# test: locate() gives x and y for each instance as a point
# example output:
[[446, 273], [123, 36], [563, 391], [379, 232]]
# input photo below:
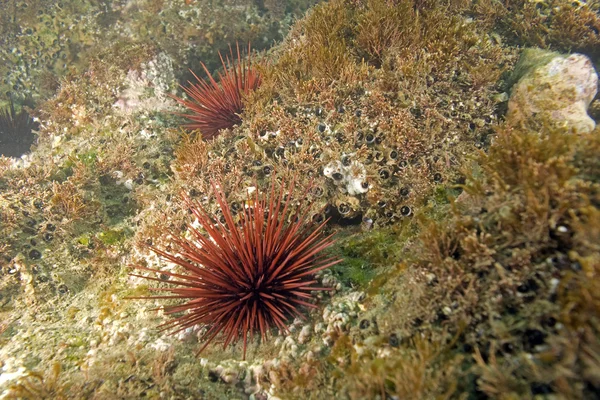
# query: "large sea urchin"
[[245, 276], [214, 106]]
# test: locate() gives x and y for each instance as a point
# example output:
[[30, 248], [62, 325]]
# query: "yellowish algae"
[[470, 243]]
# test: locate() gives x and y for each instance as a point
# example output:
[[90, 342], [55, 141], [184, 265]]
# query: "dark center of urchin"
[[259, 288], [16, 131]]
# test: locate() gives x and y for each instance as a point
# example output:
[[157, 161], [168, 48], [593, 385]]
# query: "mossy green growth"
[[355, 272], [62, 173], [530, 59], [373, 247], [560, 25], [84, 239], [367, 255], [113, 237], [443, 195], [89, 158]]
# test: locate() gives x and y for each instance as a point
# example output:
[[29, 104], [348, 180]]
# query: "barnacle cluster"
[[504, 286], [196, 30], [371, 145], [41, 41], [24, 245]]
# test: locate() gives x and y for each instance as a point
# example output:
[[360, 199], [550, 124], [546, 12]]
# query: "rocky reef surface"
[[459, 173]]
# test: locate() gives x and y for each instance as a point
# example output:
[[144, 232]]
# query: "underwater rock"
[[555, 89]]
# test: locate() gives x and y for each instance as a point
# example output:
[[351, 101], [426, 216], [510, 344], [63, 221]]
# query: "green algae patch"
[[370, 255], [500, 280], [113, 237], [355, 272]]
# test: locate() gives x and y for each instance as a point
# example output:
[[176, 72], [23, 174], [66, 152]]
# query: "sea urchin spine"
[[214, 106], [247, 276]]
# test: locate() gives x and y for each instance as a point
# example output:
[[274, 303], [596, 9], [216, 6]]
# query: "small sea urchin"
[[16, 131], [245, 276], [213, 105]]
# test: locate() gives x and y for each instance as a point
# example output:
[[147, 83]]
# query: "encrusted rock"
[[229, 376], [554, 88]]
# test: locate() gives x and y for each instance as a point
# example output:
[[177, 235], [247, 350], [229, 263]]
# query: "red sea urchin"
[[214, 106], [247, 276]]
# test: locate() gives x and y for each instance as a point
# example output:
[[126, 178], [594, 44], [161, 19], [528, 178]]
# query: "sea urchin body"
[[213, 105], [16, 131], [246, 276]]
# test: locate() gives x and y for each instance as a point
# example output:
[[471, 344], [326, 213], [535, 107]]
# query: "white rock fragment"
[[6, 376], [148, 89], [128, 184], [160, 345], [351, 178], [304, 335]]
